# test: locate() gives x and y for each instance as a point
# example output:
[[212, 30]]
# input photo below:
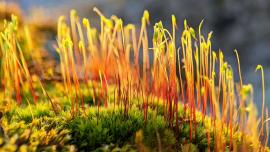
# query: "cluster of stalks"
[[14, 70], [118, 55], [202, 80]]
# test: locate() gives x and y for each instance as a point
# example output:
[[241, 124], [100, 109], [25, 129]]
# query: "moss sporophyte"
[[109, 80]]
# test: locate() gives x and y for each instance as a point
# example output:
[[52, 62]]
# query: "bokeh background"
[[242, 25]]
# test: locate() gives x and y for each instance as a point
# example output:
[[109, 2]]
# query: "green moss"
[[41, 134], [112, 126], [28, 113], [104, 127]]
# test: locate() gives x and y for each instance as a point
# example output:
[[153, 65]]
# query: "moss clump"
[[104, 127], [41, 134], [112, 127], [29, 112]]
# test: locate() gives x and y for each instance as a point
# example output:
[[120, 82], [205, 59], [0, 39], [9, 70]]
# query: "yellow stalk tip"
[[95, 9], [209, 36], [192, 32], [200, 25], [61, 19], [85, 22], [146, 17], [259, 67], [185, 24], [129, 27], [245, 90], [173, 20], [73, 12]]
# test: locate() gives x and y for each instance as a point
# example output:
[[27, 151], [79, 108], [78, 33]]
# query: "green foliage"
[[30, 112], [39, 135], [104, 127], [157, 133], [168, 139], [199, 136]]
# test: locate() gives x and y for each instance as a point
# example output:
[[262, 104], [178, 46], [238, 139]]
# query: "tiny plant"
[[14, 70], [190, 89]]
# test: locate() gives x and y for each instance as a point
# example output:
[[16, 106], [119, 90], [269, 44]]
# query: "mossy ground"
[[130, 106], [39, 128]]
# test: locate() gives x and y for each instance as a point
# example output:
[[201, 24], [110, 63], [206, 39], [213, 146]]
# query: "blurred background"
[[242, 25]]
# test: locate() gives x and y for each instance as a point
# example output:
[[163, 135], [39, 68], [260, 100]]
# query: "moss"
[[104, 127], [107, 126], [41, 134], [50, 123], [28, 113]]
